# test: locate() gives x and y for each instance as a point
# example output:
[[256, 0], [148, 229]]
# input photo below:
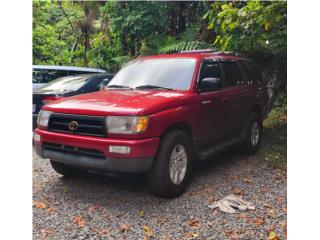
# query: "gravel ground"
[[119, 206]]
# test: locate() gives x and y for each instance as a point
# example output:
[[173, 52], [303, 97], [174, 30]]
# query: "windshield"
[[66, 84], [167, 73]]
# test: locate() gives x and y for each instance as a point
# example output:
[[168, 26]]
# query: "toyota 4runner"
[[158, 115]]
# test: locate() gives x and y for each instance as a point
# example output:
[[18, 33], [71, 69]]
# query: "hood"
[[120, 102]]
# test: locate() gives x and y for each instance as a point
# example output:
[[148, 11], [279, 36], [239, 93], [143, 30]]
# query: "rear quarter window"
[[252, 71]]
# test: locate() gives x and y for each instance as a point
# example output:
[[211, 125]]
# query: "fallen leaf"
[[65, 189], [194, 223], [247, 180], [267, 205], [39, 205], [194, 193], [283, 224], [51, 210], [272, 213], [211, 199], [273, 236], [46, 198], [265, 189], [258, 221], [120, 214], [278, 177], [163, 221], [207, 190], [147, 230], [45, 233], [238, 191], [141, 213], [101, 231], [124, 227], [242, 216], [79, 221], [93, 208], [235, 177], [191, 235], [255, 197], [228, 232], [280, 200], [165, 238]]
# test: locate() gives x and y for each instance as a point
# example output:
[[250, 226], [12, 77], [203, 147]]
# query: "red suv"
[[158, 115]]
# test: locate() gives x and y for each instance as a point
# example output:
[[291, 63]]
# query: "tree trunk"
[[86, 48]]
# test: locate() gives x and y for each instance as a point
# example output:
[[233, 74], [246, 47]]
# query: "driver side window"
[[210, 72]]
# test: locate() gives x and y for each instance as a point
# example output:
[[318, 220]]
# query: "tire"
[[66, 170], [159, 179], [254, 127]]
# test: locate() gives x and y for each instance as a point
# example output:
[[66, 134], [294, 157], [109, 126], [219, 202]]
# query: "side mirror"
[[210, 84]]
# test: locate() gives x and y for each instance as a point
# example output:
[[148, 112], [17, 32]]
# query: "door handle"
[[206, 102], [225, 99]]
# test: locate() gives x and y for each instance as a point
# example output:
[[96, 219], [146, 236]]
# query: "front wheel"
[[172, 168]]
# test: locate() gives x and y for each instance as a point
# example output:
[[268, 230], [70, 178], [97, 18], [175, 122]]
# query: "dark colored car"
[[66, 87], [159, 115]]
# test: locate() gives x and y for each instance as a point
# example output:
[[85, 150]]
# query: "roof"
[[68, 68]]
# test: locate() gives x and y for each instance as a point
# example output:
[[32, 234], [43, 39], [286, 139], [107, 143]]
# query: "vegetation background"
[[106, 34]]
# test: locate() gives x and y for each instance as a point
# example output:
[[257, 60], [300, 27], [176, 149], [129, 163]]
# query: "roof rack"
[[208, 50], [212, 51]]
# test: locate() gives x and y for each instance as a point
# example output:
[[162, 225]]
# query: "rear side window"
[[231, 74], [251, 70]]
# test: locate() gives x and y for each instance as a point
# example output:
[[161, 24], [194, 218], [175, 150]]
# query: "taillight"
[[46, 100]]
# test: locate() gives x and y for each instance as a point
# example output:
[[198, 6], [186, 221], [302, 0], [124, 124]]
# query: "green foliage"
[[257, 28], [53, 37], [277, 117], [108, 34], [164, 43], [252, 26]]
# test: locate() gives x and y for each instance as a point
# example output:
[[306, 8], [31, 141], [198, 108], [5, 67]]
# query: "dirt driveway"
[[120, 207]]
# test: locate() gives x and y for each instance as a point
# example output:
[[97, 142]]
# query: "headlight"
[[43, 118], [127, 124]]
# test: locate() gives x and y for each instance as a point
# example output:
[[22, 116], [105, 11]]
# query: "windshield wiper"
[[152, 86], [118, 86]]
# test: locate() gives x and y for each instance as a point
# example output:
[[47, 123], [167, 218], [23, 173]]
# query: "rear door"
[[256, 86], [235, 97]]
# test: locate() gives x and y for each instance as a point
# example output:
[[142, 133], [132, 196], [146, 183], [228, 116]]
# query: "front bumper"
[[139, 159]]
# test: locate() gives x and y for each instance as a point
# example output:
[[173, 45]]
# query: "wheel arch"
[[256, 109], [182, 125]]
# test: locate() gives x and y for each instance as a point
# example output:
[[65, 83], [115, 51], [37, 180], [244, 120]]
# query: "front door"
[[211, 111]]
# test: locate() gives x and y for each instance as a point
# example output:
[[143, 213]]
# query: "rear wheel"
[[253, 133], [171, 170], [66, 170]]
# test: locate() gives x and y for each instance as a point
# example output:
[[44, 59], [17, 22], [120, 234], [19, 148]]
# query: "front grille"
[[86, 125], [73, 150]]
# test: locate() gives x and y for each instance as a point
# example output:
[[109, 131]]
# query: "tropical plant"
[[256, 28], [108, 34]]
